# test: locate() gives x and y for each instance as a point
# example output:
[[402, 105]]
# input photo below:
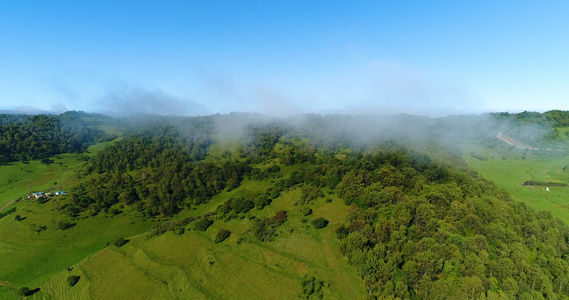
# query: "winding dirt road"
[[512, 142], [5, 205]]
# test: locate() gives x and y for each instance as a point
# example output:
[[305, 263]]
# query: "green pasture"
[[510, 174], [187, 266], [192, 266], [20, 178], [29, 258]]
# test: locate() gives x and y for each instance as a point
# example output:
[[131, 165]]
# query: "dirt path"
[[512, 142], [5, 205]]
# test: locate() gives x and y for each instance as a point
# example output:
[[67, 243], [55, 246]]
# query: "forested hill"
[[423, 226], [419, 223], [27, 137], [533, 128]]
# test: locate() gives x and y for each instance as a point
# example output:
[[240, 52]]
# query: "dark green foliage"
[[535, 129], [309, 194], [311, 288], [120, 242], [306, 211], [8, 212], [260, 140], [177, 227], [24, 137], [453, 236], [179, 230], [273, 169], [17, 218], [223, 209], [421, 225], [558, 118], [265, 230], [37, 228], [332, 178], [203, 224], [320, 223], [263, 201], [114, 211], [72, 280], [168, 176], [222, 235], [46, 161], [63, 225], [242, 205], [24, 291]]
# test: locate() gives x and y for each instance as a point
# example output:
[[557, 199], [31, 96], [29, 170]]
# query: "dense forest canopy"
[[27, 137], [422, 225]]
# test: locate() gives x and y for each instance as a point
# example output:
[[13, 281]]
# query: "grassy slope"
[[511, 172], [18, 179], [29, 258], [192, 266]]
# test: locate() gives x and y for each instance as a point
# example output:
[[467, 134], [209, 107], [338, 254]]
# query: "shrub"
[[203, 224], [72, 280], [222, 235], [222, 210], [120, 242], [273, 168], [312, 288], [306, 211], [320, 223], [262, 201], [179, 230], [63, 225], [23, 291], [242, 205], [17, 218]]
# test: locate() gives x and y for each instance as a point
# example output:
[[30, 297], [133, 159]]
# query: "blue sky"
[[284, 57]]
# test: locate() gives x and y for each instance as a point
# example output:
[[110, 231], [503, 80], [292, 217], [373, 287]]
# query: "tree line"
[[27, 137]]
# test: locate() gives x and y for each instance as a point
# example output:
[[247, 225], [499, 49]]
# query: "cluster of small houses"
[[43, 195]]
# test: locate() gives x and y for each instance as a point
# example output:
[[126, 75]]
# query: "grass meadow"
[[193, 266], [187, 266], [510, 168]]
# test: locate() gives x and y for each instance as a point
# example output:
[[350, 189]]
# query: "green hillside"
[[305, 208]]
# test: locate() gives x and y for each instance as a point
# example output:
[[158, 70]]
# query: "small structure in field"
[[38, 195]]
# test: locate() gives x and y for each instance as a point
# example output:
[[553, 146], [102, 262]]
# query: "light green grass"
[[510, 174], [18, 179], [30, 258], [192, 266], [188, 266]]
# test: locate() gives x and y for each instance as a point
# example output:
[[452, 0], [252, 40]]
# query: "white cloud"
[[132, 100]]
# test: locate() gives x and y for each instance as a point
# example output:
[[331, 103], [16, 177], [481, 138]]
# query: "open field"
[[511, 172], [192, 266], [20, 178], [28, 257], [187, 266]]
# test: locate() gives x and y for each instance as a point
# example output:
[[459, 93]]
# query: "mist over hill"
[[417, 222]]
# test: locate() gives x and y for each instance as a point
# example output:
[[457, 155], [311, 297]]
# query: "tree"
[[222, 235], [320, 223], [24, 291], [17, 218], [72, 280], [120, 242], [203, 224]]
